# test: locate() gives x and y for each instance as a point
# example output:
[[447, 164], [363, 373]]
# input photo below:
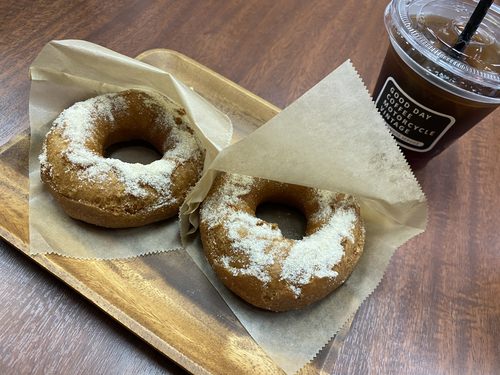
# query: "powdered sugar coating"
[[262, 246], [258, 241], [320, 252], [77, 126]]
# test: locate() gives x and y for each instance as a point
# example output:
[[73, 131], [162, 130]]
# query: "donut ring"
[[255, 261], [109, 192]]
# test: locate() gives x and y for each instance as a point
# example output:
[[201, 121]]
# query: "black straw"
[[472, 25]]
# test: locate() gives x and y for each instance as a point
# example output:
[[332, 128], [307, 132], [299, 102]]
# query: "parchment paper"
[[331, 138], [69, 71]]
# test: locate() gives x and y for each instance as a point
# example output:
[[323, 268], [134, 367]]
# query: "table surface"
[[437, 310]]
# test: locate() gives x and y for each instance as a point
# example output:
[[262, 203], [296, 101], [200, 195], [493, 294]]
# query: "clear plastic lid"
[[423, 33]]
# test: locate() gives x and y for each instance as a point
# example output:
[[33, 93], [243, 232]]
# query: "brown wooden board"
[[163, 298]]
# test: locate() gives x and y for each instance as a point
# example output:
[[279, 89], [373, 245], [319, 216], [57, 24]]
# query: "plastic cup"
[[429, 94]]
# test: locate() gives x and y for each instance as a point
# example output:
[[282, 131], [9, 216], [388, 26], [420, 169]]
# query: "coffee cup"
[[428, 93]]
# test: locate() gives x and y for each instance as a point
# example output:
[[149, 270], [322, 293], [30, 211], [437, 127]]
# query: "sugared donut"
[[255, 261], [109, 192]]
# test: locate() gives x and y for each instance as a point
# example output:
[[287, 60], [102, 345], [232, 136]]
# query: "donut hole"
[[133, 151], [290, 220]]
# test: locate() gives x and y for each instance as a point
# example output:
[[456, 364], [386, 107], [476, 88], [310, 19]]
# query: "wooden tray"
[[163, 298]]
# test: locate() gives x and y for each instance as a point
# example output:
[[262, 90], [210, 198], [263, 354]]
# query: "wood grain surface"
[[437, 310]]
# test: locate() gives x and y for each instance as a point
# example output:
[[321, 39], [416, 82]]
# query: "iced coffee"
[[428, 93]]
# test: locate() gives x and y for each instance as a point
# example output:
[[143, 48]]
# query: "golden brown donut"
[[109, 192], [255, 261]]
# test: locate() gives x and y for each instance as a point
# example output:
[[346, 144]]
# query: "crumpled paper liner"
[[72, 70], [331, 138]]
